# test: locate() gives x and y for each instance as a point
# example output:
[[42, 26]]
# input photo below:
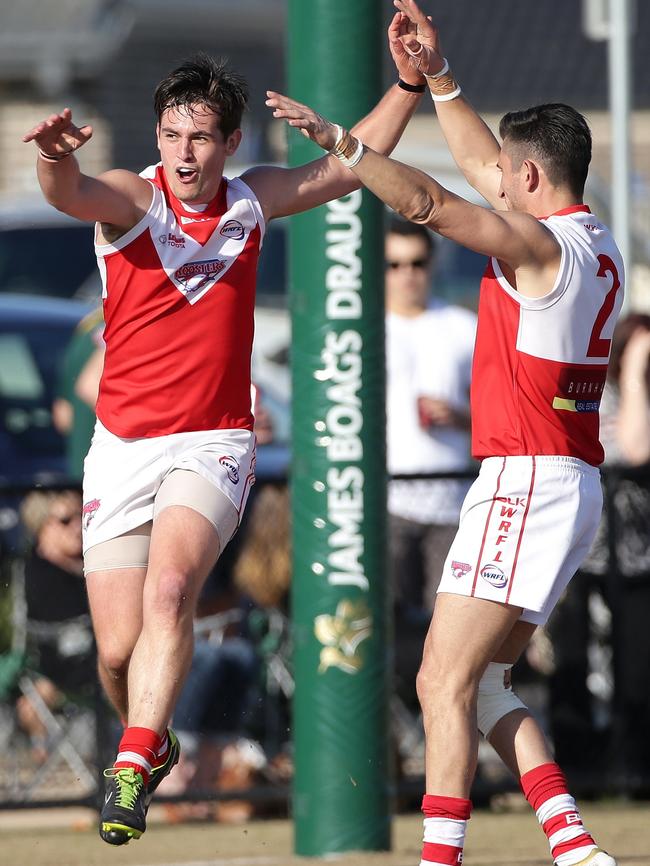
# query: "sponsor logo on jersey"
[[89, 510], [176, 241], [460, 569], [232, 229], [580, 388], [231, 466], [493, 575], [576, 405], [194, 276]]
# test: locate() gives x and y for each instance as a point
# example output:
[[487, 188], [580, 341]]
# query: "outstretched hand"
[[304, 118], [58, 134], [419, 38]]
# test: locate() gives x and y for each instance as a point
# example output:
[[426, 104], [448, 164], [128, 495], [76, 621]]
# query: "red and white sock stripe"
[[445, 823], [546, 790], [562, 823]]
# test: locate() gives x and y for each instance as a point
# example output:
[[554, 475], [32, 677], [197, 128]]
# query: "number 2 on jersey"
[[599, 346]]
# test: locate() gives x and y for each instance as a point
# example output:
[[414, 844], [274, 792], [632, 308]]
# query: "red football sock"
[[445, 822], [139, 749], [546, 790]]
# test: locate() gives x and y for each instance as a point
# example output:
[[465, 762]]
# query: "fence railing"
[[80, 733]]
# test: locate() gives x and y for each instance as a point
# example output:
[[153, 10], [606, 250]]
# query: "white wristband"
[[443, 71], [445, 97]]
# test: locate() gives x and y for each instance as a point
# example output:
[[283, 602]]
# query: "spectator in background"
[[74, 407], [61, 658], [625, 435], [429, 345]]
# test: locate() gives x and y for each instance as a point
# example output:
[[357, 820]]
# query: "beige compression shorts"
[[128, 482]]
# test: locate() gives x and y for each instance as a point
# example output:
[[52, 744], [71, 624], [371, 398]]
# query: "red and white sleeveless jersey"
[[540, 363], [179, 295]]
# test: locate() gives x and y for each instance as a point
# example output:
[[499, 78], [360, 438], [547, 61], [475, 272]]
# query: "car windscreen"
[[29, 364], [52, 260]]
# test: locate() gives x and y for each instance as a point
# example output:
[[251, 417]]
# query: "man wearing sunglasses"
[[429, 345]]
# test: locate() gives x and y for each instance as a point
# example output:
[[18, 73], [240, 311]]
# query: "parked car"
[[42, 251], [34, 332]]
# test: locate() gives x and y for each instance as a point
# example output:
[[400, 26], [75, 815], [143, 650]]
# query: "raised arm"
[[471, 142], [518, 240], [284, 191], [118, 198]]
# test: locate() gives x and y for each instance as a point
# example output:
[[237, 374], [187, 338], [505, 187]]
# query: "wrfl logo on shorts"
[[493, 575], [231, 466]]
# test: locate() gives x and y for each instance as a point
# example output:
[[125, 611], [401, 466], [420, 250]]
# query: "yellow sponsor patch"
[[567, 405]]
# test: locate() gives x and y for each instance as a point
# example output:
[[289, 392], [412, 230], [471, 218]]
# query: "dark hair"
[[624, 329], [558, 136], [398, 226], [202, 80]]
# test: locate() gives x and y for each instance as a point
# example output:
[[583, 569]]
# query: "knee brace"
[[495, 697]]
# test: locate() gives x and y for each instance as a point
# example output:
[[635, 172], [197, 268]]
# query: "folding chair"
[[67, 726]]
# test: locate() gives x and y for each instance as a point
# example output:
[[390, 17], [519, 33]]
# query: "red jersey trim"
[[575, 208]]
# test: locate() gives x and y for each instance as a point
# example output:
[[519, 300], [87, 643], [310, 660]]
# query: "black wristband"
[[411, 88]]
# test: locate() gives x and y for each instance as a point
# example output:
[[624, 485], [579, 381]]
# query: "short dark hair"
[[398, 226], [202, 80], [558, 136]]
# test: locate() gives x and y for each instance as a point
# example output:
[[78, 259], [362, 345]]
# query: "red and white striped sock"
[[445, 822], [138, 749], [546, 790]]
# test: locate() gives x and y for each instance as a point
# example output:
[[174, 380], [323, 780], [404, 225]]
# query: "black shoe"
[[159, 773], [123, 815]]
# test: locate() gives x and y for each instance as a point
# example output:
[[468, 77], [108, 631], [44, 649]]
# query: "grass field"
[[503, 839]]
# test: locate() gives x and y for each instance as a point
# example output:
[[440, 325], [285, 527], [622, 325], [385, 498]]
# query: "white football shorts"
[[122, 479], [525, 526]]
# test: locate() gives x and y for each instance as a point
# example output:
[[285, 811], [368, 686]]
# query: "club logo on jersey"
[[493, 575], [194, 276], [89, 510], [162, 239], [231, 466], [460, 569], [232, 229]]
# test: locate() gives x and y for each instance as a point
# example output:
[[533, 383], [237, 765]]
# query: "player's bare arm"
[[522, 243], [283, 191], [471, 142], [117, 198]]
